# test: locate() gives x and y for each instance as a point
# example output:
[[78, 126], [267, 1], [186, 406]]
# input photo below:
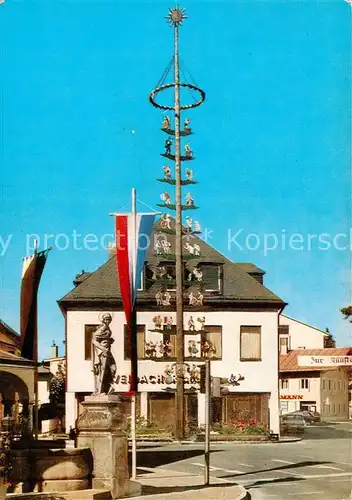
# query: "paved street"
[[318, 467]]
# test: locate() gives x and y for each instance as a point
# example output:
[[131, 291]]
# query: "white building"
[[295, 334], [241, 328]]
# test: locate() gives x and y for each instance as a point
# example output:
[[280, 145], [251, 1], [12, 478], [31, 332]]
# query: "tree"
[[347, 313], [329, 340], [57, 394]]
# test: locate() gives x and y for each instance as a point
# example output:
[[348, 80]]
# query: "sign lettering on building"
[[324, 361], [152, 379], [291, 396]]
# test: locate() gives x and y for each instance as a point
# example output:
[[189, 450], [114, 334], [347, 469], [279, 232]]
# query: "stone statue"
[[104, 365]]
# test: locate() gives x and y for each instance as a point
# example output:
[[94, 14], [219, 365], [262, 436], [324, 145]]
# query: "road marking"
[[305, 493], [219, 468], [348, 479], [282, 461], [317, 476], [245, 465], [321, 466]]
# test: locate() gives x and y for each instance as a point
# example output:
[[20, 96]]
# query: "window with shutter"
[[211, 277], [140, 342], [250, 343]]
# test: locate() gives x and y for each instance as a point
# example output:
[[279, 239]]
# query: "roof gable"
[[238, 285], [289, 362]]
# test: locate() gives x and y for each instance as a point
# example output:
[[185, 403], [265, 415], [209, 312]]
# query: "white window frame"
[[284, 386], [304, 382], [141, 288]]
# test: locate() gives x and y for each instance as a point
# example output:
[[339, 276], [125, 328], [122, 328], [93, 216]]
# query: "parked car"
[[311, 417], [292, 423]]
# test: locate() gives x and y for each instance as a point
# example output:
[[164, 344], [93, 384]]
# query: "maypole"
[[175, 18]]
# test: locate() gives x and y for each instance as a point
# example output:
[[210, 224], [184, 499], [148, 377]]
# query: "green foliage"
[[57, 388], [240, 427], [347, 313], [329, 340]]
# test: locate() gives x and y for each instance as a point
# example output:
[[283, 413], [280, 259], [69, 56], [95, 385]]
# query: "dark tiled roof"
[[81, 277], [289, 362], [250, 268], [238, 286], [8, 356]]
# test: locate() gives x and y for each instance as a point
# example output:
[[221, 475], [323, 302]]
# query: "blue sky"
[[272, 141]]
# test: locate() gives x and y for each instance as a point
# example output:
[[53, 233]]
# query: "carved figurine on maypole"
[[165, 197], [165, 221], [189, 200], [168, 144], [189, 174], [167, 172], [186, 126], [188, 151], [166, 123]]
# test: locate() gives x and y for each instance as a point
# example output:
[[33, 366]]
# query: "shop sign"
[[291, 396], [324, 361], [152, 379]]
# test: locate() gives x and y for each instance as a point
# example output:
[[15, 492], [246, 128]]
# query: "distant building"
[[295, 334], [9, 339], [46, 372], [320, 387], [240, 337], [16, 378]]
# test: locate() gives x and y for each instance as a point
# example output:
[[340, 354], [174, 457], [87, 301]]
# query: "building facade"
[[235, 325], [315, 388], [295, 334]]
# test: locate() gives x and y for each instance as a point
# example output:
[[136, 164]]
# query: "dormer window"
[[212, 277]]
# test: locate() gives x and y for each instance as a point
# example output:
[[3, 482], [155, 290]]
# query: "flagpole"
[[134, 337]]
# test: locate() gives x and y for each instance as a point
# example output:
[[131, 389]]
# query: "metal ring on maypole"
[[170, 85]]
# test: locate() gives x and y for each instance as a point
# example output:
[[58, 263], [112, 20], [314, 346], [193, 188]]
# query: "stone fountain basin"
[[49, 470]]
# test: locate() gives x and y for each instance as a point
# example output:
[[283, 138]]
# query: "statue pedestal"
[[102, 428]]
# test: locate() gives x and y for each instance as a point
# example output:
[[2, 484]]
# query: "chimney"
[[54, 351]]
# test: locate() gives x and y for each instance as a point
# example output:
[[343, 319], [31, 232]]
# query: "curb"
[[241, 495], [171, 441]]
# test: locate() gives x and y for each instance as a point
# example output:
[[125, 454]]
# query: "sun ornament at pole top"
[[176, 16]]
